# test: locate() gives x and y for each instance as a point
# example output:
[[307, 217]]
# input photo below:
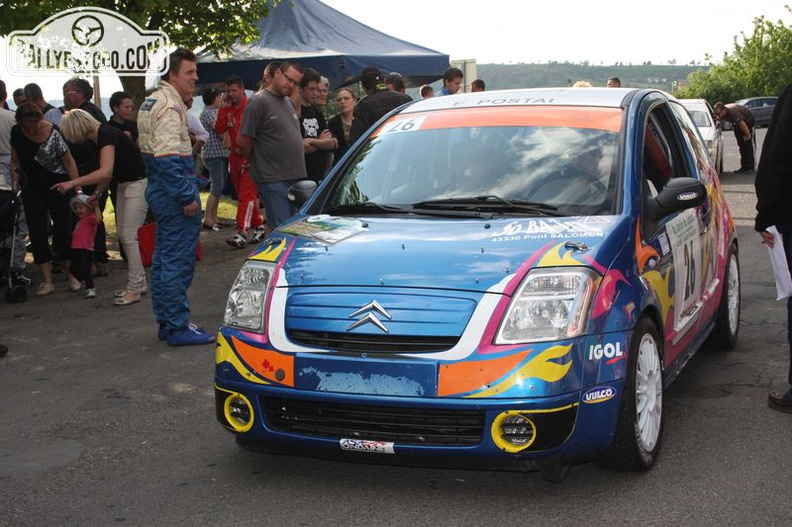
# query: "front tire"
[[639, 430]]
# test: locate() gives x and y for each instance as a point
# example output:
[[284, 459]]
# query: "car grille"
[[349, 342], [379, 423]]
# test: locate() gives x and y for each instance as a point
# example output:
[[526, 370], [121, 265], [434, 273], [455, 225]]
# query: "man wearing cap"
[[379, 100]]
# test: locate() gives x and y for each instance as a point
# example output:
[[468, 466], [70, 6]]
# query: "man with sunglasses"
[[270, 137]]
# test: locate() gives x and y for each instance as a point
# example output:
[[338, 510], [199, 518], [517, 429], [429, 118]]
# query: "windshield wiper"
[[368, 207], [490, 202]]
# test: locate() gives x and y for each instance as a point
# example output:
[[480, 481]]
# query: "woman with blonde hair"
[[119, 160]]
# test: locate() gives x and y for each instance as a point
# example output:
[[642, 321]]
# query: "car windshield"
[[701, 119], [418, 161]]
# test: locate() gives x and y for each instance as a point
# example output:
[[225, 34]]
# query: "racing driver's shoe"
[[163, 331], [781, 401], [189, 336]]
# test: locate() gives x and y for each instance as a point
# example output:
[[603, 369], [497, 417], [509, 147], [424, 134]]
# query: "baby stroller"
[[10, 207]]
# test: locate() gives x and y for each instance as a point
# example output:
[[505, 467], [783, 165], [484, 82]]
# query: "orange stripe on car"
[[271, 365], [608, 119], [456, 378]]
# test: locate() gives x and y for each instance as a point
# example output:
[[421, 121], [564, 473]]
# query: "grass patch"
[[226, 210]]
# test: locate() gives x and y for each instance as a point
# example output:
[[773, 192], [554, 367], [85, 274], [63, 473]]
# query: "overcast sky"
[[511, 31], [503, 31]]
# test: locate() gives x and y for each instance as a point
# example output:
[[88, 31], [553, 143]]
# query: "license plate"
[[362, 445]]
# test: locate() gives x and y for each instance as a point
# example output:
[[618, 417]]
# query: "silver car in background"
[[704, 118], [761, 108]]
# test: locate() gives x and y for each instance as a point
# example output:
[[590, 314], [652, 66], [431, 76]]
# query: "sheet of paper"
[[780, 268]]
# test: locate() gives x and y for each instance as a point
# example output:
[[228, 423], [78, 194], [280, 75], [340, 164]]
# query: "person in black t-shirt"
[[39, 152], [119, 160], [122, 107], [77, 93], [317, 139]]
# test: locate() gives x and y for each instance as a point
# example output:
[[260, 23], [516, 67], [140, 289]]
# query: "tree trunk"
[[136, 87]]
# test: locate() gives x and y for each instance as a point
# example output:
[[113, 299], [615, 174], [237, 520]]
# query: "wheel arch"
[[653, 314]]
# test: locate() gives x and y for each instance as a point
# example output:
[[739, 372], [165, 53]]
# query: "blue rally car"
[[500, 279]]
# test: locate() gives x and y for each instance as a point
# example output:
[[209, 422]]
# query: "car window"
[[663, 153], [693, 141], [701, 118], [573, 168], [656, 166]]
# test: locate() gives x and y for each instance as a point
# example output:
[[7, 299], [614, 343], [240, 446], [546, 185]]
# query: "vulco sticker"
[[361, 445], [610, 350], [600, 394]]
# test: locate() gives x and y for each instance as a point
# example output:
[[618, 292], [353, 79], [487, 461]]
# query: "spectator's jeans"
[[131, 209], [277, 206], [218, 173], [746, 147]]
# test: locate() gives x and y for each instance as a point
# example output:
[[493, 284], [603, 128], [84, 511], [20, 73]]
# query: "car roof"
[[756, 98], [694, 103], [600, 97]]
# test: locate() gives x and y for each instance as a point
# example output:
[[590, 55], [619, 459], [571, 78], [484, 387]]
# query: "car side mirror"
[[678, 194], [300, 191]]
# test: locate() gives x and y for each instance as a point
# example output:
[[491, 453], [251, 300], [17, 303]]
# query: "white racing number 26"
[[685, 238], [412, 124]]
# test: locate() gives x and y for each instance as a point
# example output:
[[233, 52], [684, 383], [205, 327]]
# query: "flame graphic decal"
[[540, 367]]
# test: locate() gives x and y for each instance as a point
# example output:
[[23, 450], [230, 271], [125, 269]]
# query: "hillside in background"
[[554, 74]]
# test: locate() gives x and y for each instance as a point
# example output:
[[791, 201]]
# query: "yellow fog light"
[[513, 431], [238, 412]]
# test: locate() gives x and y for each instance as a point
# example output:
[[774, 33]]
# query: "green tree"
[[758, 66], [207, 26]]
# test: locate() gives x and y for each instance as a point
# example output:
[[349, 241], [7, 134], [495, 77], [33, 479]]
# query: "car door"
[[673, 248]]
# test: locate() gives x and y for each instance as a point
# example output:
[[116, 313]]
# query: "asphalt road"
[[102, 424]]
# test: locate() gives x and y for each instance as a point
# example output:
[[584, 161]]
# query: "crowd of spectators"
[[66, 161]]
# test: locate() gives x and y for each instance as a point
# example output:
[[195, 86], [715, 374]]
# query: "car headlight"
[[550, 304], [248, 297]]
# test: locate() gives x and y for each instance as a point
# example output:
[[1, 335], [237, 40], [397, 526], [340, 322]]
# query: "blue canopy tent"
[[316, 35]]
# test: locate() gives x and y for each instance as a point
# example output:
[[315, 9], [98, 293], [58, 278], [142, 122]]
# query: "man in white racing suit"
[[172, 195]]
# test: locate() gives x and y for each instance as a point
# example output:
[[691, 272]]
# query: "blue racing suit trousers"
[[173, 261]]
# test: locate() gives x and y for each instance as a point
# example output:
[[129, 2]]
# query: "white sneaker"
[[90, 293], [237, 241], [74, 284], [258, 235]]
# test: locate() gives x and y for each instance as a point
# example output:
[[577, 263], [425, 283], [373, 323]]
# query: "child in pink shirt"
[[82, 253]]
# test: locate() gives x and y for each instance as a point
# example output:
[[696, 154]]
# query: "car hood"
[[462, 254]]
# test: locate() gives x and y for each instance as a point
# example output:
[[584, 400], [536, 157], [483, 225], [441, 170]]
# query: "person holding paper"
[[774, 208]]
